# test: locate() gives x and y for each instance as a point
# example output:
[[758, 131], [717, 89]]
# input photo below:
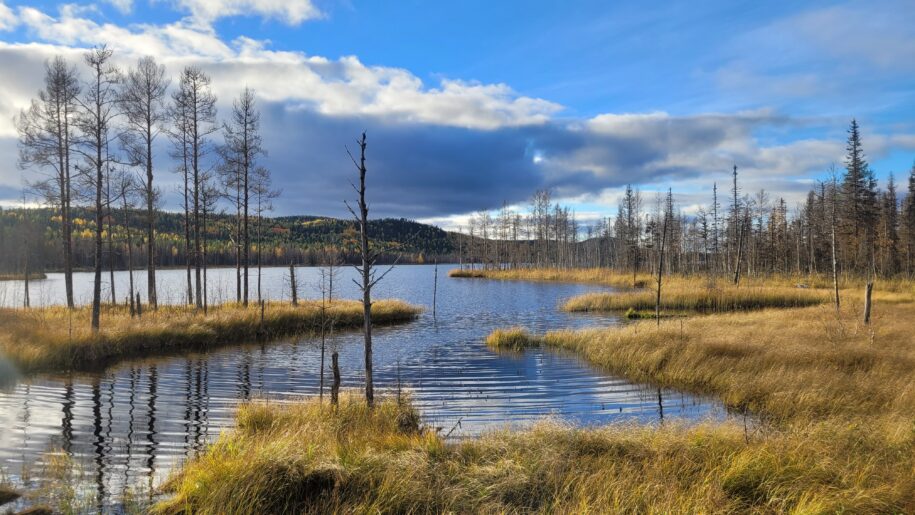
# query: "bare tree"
[[194, 110], [209, 197], [143, 103], [95, 121], [243, 147], [260, 188], [369, 257], [126, 190], [46, 141], [668, 214], [179, 133]]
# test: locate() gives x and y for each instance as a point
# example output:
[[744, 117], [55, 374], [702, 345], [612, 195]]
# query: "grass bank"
[[823, 384], [785, 365], [56, 338], [307, 458], [600, 276], [20, 277], [680, 295]]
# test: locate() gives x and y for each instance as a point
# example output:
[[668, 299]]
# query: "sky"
[[469, 105]]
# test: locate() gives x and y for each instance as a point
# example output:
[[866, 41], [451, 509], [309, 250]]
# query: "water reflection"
[[132, 424]]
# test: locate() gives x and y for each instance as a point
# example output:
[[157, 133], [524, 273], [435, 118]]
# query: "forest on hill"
[[288, 239]]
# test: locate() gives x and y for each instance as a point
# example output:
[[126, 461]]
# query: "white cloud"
[[344, 87], [124, 6], [495, 143], [291, 12], [8, 19]]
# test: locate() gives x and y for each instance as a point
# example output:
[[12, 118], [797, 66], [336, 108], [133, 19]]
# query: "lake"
[[131, 424]]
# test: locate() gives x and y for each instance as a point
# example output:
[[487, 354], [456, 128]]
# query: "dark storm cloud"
[[422, 171]]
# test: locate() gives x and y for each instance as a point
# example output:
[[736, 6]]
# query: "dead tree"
[[867, 301], [835, 268], [243, 147], [668, 211], [293, 286], [95, 123], [125, 191], [142, 101], [194, 114], [46, 142], [742, 229], [367, 271]]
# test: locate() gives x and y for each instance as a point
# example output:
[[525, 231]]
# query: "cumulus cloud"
[[124, 6], [434, 150], [291, 12], [8, 18]]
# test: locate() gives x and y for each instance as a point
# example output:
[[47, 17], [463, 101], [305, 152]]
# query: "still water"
[[130, 425]]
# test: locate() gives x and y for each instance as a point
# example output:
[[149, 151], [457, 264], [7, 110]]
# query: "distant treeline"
[[846, 225], [289, 239]]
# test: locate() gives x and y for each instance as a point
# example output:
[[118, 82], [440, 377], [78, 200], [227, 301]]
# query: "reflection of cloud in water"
[[138, 420]]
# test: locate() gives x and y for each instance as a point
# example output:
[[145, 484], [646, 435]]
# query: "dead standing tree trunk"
[[835, 268], [667, 212], [741, 235], [867, 301], [366, 269]]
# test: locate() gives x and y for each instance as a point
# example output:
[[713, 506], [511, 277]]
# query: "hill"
[[285, 239]]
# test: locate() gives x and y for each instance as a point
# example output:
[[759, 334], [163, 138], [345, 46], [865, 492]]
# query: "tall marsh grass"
[[34, 276], [784, 365], [308, 458], [56, 338], [685, 297]]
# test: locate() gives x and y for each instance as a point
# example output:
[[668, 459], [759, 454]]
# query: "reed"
[[55, 338], [309, 458]]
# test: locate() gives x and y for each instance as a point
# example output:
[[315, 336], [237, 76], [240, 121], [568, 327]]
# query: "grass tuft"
[[513, 339]]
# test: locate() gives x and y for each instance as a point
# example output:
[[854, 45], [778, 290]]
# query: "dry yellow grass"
[[682, 296], [601, 276], [512, 339], [799, 364], [307, 458], [35, 276], [56, 338], [834, 399], [616, 279]]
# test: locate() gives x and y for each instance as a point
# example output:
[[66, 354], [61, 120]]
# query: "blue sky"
[[474, 103]]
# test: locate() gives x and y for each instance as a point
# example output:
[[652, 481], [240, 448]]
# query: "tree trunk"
[[867, 301], [150, 227], [367, 262], [294, 288], [335, 386], [129, 248]]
